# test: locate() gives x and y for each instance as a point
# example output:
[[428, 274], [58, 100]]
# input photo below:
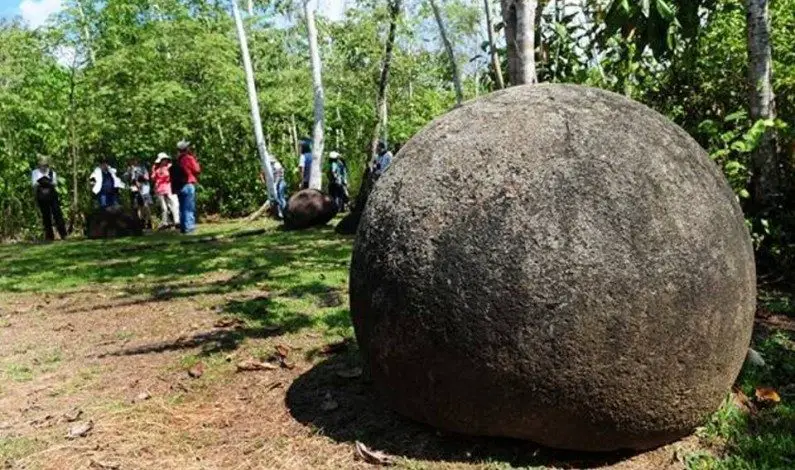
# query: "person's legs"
[[146, 214], [181, 200], [281, 195], [161, 198], [188, 207], [45, 207], [58, 215], [173, 202]]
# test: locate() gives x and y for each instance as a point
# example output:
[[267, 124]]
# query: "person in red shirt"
[[184, 176]]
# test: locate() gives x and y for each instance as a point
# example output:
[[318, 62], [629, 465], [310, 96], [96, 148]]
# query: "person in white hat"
[[45, 183], [169, 203], [338, 181]]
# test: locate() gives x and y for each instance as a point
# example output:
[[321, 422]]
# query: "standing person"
[[383, 159], [188, 171], [305, 163], [138, 178], [279, 183], [45, 183], [105, 184], [338, 181], [161, 177]]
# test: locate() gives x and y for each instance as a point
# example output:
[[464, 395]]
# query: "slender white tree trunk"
[[250, 7], [495, 59], [265, 158], [459, 94], [519, 20], [87, 40], [316, 177], [762, 102]]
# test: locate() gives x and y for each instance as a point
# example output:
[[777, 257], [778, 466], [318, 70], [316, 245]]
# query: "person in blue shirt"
[[383, 159], [305, 163]]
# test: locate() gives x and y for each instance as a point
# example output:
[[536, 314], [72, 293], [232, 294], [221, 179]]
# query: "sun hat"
[[334, 155], [162, 156], [183, 145]]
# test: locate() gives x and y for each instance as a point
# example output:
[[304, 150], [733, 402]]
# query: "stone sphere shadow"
[[362, 416]]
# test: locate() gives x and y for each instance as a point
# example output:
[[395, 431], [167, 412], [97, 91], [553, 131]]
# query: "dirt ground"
[[120, 360]]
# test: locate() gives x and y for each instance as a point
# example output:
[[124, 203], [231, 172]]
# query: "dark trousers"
[[338, 195], [50, 208]]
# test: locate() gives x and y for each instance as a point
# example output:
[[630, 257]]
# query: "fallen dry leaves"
[[196, 371], [251, 365], [80, 430], [767, 396], [372, 457]]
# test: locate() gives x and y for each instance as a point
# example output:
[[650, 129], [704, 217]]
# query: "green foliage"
[[763, 440], [170, 70]]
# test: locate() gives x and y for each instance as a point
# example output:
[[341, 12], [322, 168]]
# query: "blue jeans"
[[107, 200], [187, 208]]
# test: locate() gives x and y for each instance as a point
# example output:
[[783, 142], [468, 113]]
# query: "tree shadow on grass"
[[362, 416], [164, 259]]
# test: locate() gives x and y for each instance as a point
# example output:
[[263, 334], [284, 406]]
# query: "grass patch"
[[18, 372], [14, 448], [764, 439]]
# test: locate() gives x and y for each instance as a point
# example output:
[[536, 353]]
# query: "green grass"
[[765, 440], [14, 448], [299, 281], [18, 372], [296, 271]]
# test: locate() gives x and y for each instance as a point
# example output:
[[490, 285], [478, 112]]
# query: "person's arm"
[[194, 165], [34, 176], [54, 181]]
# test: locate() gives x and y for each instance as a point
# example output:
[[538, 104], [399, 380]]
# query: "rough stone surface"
[[308, 208], [113, 223], [554, 263]]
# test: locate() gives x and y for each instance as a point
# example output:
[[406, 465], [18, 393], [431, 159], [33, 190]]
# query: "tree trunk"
[[495, 58], [294, 135], [86, 34], [383, 81], [519, 20], [316, 177], [766, 176], [265, 158], [459, 95], [251, 7], [349, 224]]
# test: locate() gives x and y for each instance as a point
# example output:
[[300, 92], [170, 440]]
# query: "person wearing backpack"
[[338, 181], [184, 177], [45, 183]]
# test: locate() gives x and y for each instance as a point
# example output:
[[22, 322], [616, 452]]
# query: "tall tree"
[[519, 24], [459, 94], [316, 177], [495, 58], [254, 103], [395, 7], [351, 222], [764, 164]]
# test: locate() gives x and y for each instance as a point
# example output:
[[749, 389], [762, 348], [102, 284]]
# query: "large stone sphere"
[[558, 264]]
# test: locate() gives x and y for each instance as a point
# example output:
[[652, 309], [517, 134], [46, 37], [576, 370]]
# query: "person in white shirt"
[[45, 183], [105, 185]]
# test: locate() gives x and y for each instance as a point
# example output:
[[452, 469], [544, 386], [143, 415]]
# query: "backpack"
[[45, 190]]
